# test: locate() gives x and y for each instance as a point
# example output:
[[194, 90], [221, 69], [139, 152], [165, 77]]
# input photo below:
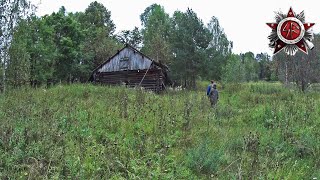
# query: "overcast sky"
[[244, 21]]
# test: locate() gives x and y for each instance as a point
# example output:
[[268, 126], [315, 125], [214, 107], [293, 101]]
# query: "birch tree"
[[11, 12]]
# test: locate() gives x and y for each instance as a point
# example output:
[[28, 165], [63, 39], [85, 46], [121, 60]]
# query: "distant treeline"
[[66, 47]]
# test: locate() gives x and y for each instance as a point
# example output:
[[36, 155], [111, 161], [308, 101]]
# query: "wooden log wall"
[[153, 79]]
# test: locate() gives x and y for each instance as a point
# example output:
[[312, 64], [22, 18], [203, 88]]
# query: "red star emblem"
[[291, 31]]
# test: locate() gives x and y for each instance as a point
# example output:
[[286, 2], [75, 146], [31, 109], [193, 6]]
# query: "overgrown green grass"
[[259, 130]]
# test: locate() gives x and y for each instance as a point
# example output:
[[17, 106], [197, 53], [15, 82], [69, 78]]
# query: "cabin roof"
[[134, 49]]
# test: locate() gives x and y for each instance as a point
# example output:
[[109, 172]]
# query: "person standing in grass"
[[213, 94], [209, 87]]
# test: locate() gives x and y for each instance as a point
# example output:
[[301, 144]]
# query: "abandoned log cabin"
[[131, 67]]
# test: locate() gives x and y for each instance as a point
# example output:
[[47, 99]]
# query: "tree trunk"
[[302, 75], [194, 82], [4, 74], [286, 75], [303, 85]]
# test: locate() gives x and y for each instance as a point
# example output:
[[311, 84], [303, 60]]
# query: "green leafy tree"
[[234, 71], [301, 69], [190, 39], [264, 66], [218, 51], [156, 32], [219, 42], [11, 12], [67, 38], [42, 49], [18, 67], [134, 37], [99, 43], [97, 16], [251, 66]]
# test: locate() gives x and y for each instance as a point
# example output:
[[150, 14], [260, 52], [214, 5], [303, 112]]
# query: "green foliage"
[[218, 51], [204, 160], [66, 47], [61, 47], [301, 69], [266, 88], [265, 66], [134, 37], [245, 68], [98, 42], [234, 70], [18, 68], [85, 131], [251, 66], [190, 38], [67, 37], [97, 16], [156, 33], [191, 49], [42, 50], [11, 13]]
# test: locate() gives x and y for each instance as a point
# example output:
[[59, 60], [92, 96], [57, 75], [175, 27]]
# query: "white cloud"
[[244, 21]]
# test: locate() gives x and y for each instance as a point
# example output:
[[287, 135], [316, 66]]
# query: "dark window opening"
[[124, 63]]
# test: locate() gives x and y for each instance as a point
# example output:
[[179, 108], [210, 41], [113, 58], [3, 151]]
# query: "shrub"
[[204, 160]]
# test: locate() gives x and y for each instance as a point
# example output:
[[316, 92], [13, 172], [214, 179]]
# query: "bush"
[[204, 160]]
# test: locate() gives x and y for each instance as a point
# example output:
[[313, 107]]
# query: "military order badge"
[[290, 32]]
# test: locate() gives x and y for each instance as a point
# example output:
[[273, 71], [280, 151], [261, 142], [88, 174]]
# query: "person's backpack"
[[212, 90], [209, 89]]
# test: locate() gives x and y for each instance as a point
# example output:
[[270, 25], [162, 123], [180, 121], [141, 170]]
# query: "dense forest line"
[[66, 47]]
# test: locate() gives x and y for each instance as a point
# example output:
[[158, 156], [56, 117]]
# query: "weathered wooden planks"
[[152, 80], [129, 66], [127, 57]]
